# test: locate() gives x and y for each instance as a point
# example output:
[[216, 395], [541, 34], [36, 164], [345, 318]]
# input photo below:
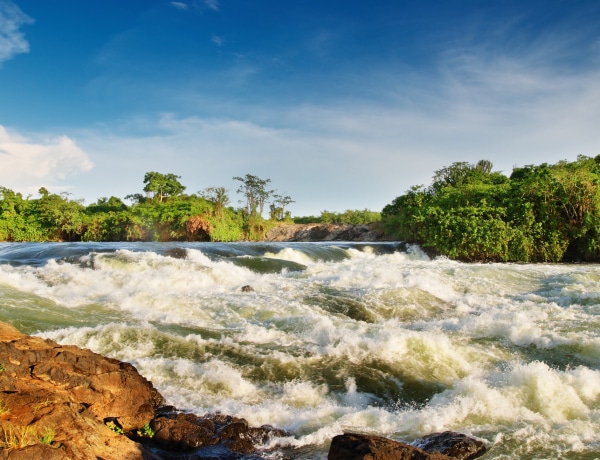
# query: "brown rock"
[[326, 232], [352, 446], [182, 432], [455, 445], [65, 393]]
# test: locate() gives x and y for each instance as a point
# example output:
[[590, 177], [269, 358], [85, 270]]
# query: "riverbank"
[[326, 232]]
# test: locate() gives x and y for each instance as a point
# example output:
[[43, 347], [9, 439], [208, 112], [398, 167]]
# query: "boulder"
[[438, 446], [455, 445], [55, 399], [184, 432], [354, 446]]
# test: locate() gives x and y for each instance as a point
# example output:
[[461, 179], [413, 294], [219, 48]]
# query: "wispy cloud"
[[180, 5], [26, 165], [12, 39], [217, 40], [212, 4], [196, 6]]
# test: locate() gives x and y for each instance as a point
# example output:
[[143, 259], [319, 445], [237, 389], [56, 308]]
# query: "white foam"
[[467, 331]]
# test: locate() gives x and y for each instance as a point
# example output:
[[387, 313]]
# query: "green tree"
[[162, 185], [218, 196], [545, 213], [254, 189], [278, 206], [62, 219]]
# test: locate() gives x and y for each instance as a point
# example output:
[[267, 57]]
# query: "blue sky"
[[342, 104]]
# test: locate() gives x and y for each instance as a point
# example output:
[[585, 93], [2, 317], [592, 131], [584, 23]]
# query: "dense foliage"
[[163, 213], [545, 213]]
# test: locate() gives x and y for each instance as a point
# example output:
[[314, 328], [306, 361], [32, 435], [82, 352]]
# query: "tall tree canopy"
[[162, 185]]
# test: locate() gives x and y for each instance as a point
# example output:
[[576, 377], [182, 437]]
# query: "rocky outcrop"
[[56, 401], [439, 446], [326, 232]]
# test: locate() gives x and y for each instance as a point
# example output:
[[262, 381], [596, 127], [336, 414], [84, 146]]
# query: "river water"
[[374, 338]]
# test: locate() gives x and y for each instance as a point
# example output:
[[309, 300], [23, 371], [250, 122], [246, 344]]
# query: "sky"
[[340, 104]]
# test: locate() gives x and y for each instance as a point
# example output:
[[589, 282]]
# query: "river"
[[370, 337]]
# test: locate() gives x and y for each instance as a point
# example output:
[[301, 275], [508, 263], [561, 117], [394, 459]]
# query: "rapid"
[[368, 337]]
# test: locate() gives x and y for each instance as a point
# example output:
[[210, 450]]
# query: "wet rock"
[[185, 432], [352, 446], [455, 445], [247, 288]]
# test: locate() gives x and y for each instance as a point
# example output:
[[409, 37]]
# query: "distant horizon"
[[343, 105]]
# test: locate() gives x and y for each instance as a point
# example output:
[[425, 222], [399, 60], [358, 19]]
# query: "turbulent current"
[[372, 338]]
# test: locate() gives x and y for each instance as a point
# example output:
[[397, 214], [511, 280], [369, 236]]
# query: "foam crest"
[[291, 255]]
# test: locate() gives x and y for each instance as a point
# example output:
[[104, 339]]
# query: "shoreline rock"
[[326, 232], [61, 402]]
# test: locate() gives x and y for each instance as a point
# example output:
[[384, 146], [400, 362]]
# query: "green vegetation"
[[162, 213], [47, 436], [146, 432], [545, 213], [354, 217], [114, 427]]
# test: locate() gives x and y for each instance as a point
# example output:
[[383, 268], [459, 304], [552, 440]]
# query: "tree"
[[278, 206], [217, 196], [254, 189], [162, 185]]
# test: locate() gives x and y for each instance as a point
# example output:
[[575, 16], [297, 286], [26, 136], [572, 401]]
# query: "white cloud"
[[212, 4], [25, 165], [12, 40], [217, 40], [180, 6]]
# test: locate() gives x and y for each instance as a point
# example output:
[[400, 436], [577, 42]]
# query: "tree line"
[[540, 213], [163, 212]]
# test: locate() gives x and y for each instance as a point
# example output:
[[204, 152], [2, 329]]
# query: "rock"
[[455, 445], [247, 288], [352, 446], [184, 432], [326, 232], [63, 394]]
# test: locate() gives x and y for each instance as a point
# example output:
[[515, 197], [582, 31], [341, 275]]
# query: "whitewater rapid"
[[375, 338]]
